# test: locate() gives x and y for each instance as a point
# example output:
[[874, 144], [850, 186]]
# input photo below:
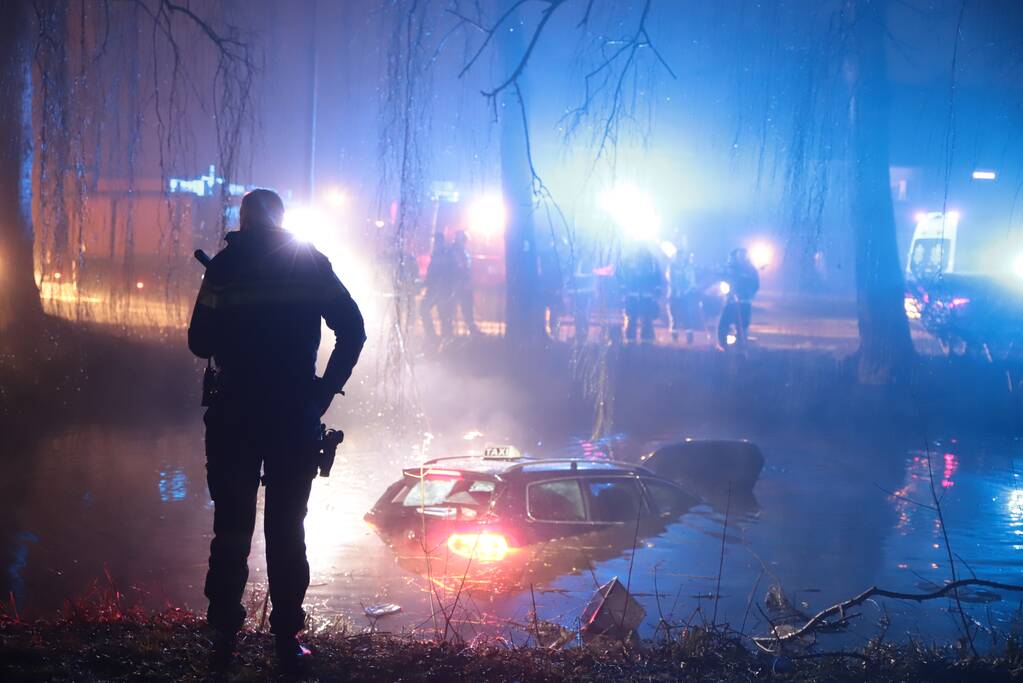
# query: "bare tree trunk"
[[523, 313], [53, 137], [885, 344], [19, 296]]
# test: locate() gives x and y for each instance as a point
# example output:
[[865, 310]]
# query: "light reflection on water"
[[835, 516]]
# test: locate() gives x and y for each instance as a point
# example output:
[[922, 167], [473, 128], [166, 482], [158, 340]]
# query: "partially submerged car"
[[487, 507], [484, 506]]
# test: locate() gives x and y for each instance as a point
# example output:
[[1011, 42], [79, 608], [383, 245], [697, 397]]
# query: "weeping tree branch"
[[232, 81], [513, 78], [490, 32], [406, 108], [616, 67], [612, 73]]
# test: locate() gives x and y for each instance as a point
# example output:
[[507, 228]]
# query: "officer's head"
[[261, 210], [739, 255]]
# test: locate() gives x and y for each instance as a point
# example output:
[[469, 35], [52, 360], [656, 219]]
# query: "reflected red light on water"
[[951, 465], [483, 546]]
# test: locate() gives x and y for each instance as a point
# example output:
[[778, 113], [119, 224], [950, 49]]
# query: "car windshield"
[[930, 256]]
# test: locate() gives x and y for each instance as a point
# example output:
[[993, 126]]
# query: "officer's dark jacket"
[[258, 315]]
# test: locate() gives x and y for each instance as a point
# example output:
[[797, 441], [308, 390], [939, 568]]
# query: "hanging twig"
[[721, 559], [948, 549]]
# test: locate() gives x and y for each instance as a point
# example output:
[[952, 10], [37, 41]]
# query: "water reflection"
[[1014, 506], [835, 516], [173, 484]]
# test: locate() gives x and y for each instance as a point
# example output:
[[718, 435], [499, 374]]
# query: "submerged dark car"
[[487, 507]]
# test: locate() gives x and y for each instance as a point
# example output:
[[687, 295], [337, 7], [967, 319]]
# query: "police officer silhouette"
[[258, 317]]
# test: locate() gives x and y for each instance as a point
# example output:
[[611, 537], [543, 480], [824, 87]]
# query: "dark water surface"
[[129, 509]]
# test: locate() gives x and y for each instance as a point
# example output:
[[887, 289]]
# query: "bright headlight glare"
[[487, 215], [633, 211], [761, 254]]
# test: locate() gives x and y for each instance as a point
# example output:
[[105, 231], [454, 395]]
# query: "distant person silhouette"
[[642, 282], [439, 290], [258, 317], [461, 280], [683, 296], [743, 282]]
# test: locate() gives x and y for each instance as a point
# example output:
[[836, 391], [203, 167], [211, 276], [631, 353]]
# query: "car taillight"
[[482, 546]]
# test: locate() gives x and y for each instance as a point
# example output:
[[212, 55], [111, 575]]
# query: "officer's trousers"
[[239, 444]]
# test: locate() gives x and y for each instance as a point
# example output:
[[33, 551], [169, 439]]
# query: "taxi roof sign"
[[501, 452]]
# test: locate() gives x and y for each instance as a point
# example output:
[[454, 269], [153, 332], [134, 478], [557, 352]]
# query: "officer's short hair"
[[262, 208]]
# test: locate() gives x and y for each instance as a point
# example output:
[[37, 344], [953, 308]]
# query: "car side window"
[[556, 501], [613, 500], [667, 499]]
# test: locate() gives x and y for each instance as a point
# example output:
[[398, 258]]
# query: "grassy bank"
[[175, 646], [69, 372]]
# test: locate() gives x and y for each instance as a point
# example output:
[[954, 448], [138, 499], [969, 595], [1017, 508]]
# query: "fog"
[[604, 161]]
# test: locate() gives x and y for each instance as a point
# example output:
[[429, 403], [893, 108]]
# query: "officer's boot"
[[224, 645], [292, 656]]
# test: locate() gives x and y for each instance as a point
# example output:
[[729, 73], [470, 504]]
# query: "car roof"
[[528, 465]]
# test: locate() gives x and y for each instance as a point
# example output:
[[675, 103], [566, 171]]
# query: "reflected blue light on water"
[[19, 561], [173, 484]]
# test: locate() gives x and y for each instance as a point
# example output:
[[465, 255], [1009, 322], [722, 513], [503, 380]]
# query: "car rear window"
[[556, 501], [446, 493]]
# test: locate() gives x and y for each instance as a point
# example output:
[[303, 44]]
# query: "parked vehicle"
[[970, 312]]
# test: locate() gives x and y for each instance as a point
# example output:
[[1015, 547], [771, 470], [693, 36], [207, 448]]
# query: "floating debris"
[[377, 611], [612, 612]]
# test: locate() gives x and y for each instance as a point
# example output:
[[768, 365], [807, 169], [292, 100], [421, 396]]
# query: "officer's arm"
[[203, 329], [342, 315]]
